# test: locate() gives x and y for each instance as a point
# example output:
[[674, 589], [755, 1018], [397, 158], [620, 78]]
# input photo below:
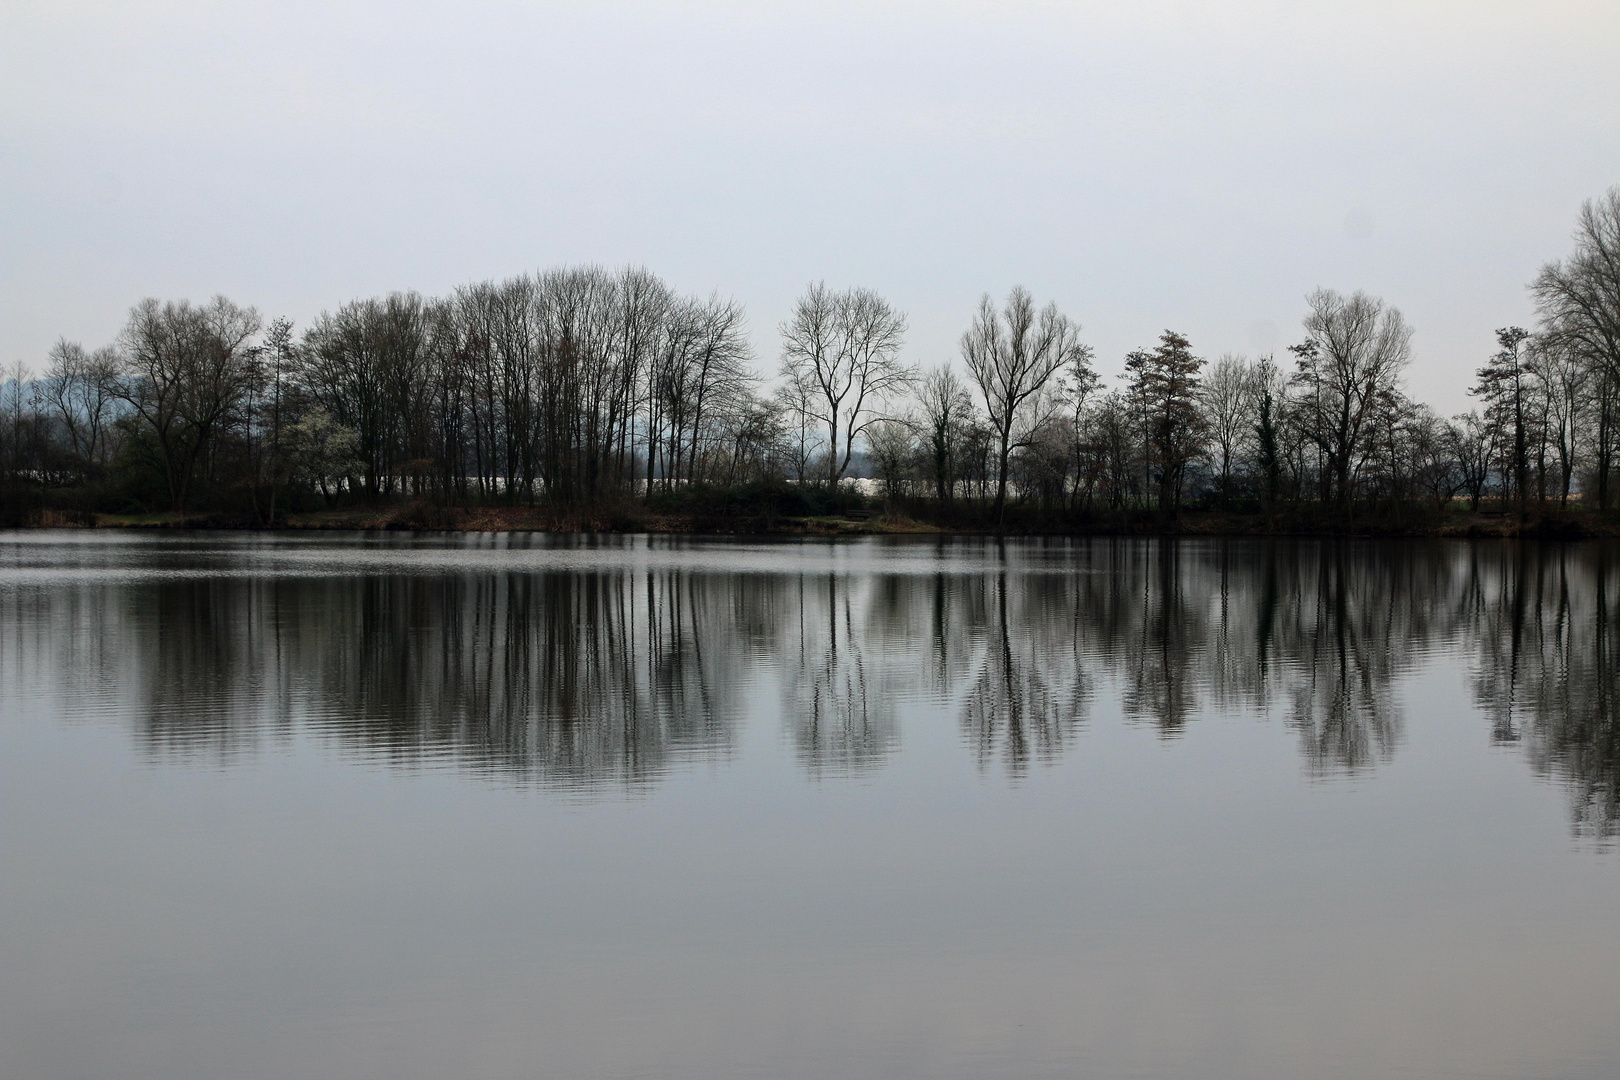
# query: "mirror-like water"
[[622, 807]]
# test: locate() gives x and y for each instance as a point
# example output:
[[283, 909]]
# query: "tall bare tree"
[[842, 351], [80, 387], [1579, 302], [1227, 401], [370, 366], [185, 369], [701, 380], [802, 437], [1012, 354], [1349, 369], [946, 411], [1562, 382], [1471, 447]]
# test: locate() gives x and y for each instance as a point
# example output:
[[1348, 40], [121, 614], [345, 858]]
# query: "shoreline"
[[422, 518]]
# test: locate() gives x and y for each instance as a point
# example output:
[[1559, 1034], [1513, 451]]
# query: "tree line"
[[583, 388]]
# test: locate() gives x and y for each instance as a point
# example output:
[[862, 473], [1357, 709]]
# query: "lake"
[[394, 805]]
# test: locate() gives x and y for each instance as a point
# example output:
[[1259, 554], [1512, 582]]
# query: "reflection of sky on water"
[[679, 808]]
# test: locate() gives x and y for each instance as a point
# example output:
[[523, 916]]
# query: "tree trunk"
[[1001, 473]]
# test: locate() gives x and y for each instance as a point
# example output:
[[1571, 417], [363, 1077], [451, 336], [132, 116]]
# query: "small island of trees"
[[584, 398]]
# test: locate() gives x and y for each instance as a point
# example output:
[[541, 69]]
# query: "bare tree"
[[80, 388], [1580, 296], [842, 352], [1436, 469], [753, 431], [643, 304], [803, 439], [893, 445], [1227, 400], [1108, 451], [946, 410], [14, 390], [186, 368], [370, 366], [1562, 381], [1471, 445], [1350, 366], [278, 353], [1579, 302], [1078, 386], [701, 379], [1012, 355]]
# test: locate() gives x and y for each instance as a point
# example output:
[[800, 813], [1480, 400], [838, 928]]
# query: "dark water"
[[512, 807]]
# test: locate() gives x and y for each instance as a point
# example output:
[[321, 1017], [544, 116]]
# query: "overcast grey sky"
[[1199, 166]]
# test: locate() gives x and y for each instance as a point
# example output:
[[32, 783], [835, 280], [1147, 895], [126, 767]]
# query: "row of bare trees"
[[582, 387], [1035, 421], [1329, 427], [570, 387]]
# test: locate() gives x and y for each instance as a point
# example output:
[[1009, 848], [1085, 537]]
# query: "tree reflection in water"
[[563, 678], [1547, 667], [595, 676], [838, 711], [1030, 687]]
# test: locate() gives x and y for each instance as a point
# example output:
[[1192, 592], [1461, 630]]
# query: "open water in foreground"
[[509, 806]]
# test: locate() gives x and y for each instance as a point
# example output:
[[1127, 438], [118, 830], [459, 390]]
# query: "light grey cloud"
[[1194, 165]]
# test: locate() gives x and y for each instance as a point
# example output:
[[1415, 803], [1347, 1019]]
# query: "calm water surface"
[[626, 807]]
